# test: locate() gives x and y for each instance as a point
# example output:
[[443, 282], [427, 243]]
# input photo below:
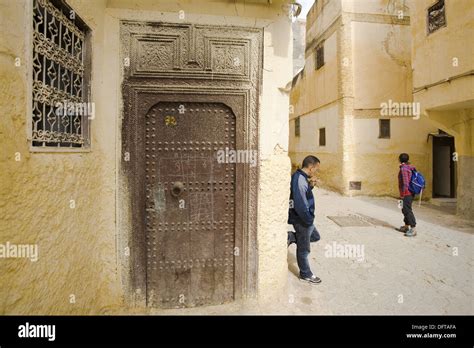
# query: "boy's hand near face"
[[314, 181]]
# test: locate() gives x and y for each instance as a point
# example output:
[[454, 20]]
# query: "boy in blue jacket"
[[301, 216]]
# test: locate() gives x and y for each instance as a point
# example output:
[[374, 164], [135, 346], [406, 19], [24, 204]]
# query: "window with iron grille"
[[322, 136], [436, 16], [320, 56], [297, 127], [61, 110], [384, 129]]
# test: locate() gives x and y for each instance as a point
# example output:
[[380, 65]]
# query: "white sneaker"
[[313, 279]]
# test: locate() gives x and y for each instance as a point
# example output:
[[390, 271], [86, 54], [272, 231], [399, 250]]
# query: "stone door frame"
[[203, 75]]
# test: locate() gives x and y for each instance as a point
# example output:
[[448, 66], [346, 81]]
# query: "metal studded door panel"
[[190, 204]]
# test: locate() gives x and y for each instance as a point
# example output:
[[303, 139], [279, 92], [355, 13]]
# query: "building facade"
[[443, 85], [355, 105], [138, 140]]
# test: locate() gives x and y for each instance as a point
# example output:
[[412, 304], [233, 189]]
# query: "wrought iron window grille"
[[61, 109]]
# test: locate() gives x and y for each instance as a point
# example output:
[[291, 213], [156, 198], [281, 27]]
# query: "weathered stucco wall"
[[76, 245], [381, 63], [433, 54], [442, 56], [465, 201], [380, 71], [376, 162], [272, 226], [308, 144], [375, 6], [319, 84], [80, 249], [275, 166]]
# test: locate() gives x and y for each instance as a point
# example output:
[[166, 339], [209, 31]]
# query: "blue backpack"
[[417, 182]]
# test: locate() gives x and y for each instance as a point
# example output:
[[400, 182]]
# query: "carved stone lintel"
[[190, 51]]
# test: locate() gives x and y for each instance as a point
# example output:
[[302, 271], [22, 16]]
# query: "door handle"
[[178, 188]]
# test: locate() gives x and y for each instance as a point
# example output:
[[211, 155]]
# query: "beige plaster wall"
[[308, 143], [80, 249], [433, 54], [376, 160], [316, 88], [326, 12], [75, 272], [381, 63], [439, 59], [376, 6]]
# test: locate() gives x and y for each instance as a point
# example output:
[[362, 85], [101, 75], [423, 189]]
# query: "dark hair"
[[403, 158], [308, 160]]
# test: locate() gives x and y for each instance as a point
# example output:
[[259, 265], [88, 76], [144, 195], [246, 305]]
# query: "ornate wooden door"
[[189, 204], [188, 220]]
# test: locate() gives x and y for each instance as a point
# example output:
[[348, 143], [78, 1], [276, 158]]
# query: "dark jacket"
[[301, 200]]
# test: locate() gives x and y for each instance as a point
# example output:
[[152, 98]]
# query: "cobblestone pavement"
[[431, 273]]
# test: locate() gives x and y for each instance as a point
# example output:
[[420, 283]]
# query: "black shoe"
[[313, 279]]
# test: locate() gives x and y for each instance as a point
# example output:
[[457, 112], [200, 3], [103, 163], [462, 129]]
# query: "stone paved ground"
[[398, 275]]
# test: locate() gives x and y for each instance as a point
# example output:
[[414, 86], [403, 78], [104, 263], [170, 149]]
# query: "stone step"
[[443, 202]]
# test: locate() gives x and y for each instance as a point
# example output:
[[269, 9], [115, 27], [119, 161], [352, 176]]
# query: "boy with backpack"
[[410, 182]]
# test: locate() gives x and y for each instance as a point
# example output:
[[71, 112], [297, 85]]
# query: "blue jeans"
[[303, 237]]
